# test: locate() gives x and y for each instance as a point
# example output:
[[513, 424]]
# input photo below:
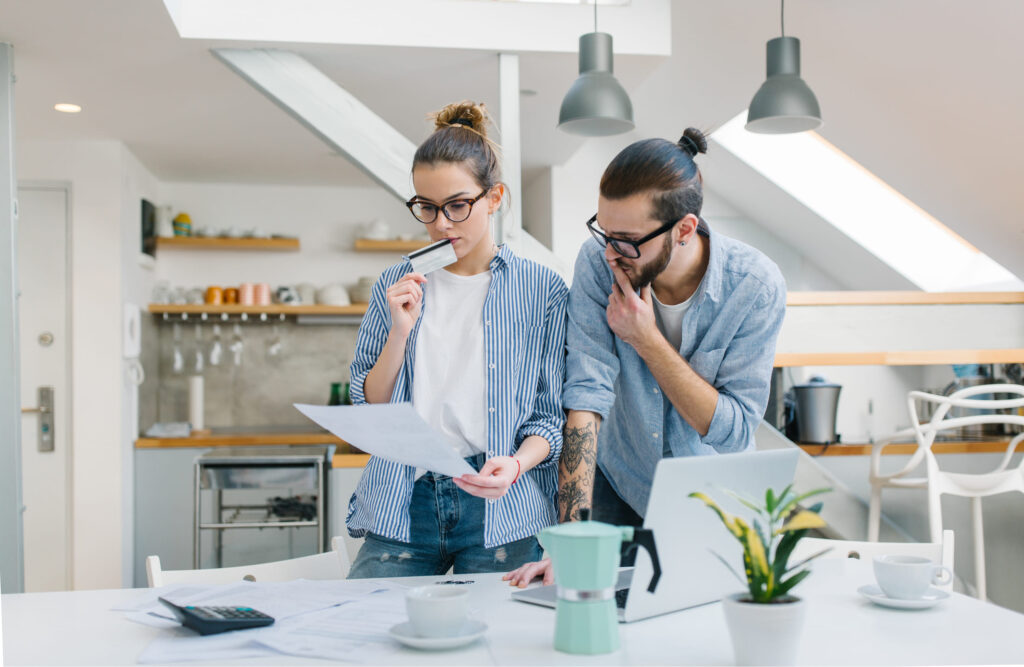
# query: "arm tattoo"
[[579, 445], [572, 498], [576, 470]]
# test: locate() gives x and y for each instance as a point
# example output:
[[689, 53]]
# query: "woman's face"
[[441, 183]]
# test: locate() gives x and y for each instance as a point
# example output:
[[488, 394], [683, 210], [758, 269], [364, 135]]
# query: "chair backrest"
[[940, 552], [964, 398], [333, 564]]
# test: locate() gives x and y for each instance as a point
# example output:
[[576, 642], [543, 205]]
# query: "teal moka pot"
[[585, 555]]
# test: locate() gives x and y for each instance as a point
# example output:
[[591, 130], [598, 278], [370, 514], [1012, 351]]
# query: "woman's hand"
[[493, 479], [405, 299], [524, 574]]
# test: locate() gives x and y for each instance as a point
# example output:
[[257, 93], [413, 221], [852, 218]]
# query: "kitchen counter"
[[994, 446], [346, 456]]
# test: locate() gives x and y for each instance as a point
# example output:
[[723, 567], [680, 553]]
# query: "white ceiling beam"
[[642, 27], [330, 112], [510, 222]]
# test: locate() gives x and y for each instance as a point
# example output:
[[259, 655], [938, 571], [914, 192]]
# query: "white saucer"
[[403, 632], [931, 598]]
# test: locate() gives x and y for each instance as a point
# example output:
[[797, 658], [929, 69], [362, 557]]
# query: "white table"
[[842, 629]]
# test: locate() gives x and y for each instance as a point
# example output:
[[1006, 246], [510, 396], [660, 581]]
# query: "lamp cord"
[[782, 16], [595, 15]]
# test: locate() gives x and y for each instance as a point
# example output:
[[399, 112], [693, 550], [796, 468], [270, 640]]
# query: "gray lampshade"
[[596, 104], [784, 103]]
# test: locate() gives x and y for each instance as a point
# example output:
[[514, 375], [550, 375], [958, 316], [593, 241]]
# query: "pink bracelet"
[[519, 469]]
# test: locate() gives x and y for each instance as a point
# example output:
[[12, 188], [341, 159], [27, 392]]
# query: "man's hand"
[[631, 316], [524, 574]]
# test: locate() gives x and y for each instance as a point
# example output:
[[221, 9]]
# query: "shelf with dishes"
[[234, 309], [280, 244]]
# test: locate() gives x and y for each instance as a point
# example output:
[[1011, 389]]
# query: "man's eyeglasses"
[[455, 210], [630, 249]]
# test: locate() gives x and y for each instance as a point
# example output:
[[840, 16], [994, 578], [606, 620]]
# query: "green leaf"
[[783, 551], [752, 505], [788, 507], [742, 580], [780, 500], [788, 584], [807, 560], [769, 500]]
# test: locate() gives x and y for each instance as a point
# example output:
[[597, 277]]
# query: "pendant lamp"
[[596, 105], [784, 103]]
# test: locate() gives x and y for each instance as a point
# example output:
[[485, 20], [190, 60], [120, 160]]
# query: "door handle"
[[44, 430]]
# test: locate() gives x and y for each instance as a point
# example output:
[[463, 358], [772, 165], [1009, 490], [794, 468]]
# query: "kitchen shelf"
[[237, 309], [219, 243], [389, 245], [908, 448], [899, 358], [902, 298]]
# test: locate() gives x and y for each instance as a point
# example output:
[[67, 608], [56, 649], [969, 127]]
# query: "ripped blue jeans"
[[447, 531]]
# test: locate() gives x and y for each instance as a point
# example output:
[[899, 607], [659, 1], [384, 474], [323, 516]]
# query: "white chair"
[[333, 564], [937, 482], [938, 552]]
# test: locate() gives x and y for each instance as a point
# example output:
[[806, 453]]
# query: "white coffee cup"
[[908, 577], [437, 610]]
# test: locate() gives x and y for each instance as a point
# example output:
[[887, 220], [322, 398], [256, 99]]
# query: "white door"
[[45, 362]]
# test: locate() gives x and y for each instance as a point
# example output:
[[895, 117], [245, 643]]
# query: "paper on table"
[[354, 630], [392, 431]]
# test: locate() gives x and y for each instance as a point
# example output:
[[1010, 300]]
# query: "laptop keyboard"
[[620, 597]]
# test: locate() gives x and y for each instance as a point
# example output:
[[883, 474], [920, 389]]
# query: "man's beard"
[[649, 271]]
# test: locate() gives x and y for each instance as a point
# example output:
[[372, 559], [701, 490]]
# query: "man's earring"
[[682, 243]]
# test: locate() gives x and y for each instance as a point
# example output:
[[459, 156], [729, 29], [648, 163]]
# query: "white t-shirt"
[[449, 389], [670, 318]]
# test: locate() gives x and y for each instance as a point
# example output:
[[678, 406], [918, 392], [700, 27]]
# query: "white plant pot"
[[764, 634]]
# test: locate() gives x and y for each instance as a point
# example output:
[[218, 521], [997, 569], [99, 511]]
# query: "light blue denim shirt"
[[524, 340], [728, 339]]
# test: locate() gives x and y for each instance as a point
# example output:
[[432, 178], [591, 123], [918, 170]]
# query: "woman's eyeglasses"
[[629, 249], [455, 210]]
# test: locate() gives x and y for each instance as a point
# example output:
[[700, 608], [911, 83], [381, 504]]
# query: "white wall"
[[325, 219], [94, 170], [137, 277]]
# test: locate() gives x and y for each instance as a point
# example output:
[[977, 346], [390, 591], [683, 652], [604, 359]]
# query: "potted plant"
[[765, 620]]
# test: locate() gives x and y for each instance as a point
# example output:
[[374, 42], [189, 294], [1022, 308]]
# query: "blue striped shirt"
[[524, 341]]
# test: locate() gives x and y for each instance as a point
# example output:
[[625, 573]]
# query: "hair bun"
[[693, 142], [468, 114]]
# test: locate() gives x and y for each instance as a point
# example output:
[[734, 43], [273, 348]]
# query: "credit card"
[[433, 257]]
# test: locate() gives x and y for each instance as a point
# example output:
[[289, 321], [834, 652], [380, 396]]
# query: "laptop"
[[688, 534]]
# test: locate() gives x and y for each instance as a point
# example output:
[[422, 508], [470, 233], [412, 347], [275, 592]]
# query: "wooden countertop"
[[908, 448], [345, 456]]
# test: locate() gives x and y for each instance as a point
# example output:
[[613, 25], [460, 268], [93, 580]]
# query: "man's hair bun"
[[693, 142]]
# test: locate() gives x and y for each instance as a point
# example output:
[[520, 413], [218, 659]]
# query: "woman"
[[478, 347]]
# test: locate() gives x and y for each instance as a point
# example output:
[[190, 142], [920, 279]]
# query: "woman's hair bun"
[[468, 114], [693, 141]]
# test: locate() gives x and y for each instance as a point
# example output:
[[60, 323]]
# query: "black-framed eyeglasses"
[[626, 248], [455, 210]]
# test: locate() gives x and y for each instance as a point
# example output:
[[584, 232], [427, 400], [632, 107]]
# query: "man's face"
[[630, 219]]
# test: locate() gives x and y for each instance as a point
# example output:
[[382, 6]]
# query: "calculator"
[[211, 620]]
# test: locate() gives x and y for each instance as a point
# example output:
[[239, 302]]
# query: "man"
[[671, 337]]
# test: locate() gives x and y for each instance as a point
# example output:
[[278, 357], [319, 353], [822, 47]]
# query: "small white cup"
[[437, 611], [908, 577]]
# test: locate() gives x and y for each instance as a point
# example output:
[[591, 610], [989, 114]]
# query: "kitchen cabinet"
[[164, 503]]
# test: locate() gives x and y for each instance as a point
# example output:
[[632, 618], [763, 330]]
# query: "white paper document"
[[392, 431], [352, 628]]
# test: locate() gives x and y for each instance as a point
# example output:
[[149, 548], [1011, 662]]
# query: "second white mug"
[[908, 577]]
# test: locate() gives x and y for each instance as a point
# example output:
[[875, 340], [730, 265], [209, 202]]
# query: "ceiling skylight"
[[866, 209]]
